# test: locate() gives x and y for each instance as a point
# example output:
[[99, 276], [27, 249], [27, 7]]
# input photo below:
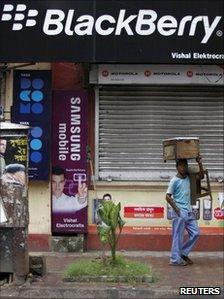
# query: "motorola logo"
[[19, 15]]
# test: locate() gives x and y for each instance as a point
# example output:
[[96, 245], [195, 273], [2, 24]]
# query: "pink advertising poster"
[[69, 162]]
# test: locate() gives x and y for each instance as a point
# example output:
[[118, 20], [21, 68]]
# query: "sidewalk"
[[206, 271]]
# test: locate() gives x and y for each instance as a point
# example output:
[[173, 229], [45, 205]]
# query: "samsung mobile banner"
[[69, 162]]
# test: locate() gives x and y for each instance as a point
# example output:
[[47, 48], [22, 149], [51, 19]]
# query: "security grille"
[[134, 120]]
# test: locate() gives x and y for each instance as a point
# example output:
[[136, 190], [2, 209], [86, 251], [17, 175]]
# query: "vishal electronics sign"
[[162, 31]]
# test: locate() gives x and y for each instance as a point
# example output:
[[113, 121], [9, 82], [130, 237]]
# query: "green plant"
[[110, 228], [131, 270]]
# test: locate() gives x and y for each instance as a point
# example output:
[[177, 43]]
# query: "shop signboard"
[[143, 212], [31, 106], [165, 31], [69, 162], [160, 74]]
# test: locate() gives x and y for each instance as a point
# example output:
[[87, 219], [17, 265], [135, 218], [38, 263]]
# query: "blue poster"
[[31, 106]]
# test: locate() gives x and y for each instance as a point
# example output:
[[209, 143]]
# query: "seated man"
[[15, 174]]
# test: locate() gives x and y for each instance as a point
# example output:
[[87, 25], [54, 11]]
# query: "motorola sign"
[[166, 31]]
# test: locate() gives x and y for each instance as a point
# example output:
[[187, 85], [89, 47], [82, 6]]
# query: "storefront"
[[150, 73], [137, 107]]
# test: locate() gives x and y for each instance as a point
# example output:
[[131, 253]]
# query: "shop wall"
[[152, 233], [151, 195], [39, 208]]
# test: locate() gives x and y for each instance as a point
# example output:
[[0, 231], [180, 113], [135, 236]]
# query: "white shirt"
[[66, 203]]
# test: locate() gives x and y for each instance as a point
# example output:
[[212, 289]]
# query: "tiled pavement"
[[206, 271]]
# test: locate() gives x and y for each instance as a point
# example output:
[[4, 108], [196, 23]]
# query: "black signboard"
[[152, 31]]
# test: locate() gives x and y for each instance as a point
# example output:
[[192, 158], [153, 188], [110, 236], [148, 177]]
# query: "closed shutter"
[[134, 120]]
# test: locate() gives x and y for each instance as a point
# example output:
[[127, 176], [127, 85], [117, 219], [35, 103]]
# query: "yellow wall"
[[40, 205], [148, 194], [39, 208]]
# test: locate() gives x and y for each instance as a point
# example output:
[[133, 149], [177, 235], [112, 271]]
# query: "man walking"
[[179, 197]]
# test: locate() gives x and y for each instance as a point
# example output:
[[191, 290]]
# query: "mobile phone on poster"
[[196, 209], [207, 209], [79, 177]]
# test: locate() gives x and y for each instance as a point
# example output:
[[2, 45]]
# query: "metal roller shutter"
[[133, 121]]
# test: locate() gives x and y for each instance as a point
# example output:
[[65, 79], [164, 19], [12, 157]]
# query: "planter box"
[[180, 148]]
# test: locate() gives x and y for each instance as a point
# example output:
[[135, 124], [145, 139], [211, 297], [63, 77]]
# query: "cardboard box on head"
[[181, 148]]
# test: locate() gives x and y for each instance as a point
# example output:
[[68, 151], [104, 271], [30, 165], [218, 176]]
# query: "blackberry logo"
[[20, 16], [144, 23]]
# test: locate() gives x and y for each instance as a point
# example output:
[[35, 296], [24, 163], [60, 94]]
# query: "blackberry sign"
[[165, 31]]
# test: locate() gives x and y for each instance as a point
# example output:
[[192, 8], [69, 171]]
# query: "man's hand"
[[200, 175], [170, 200], [82, 190], [177, 212], [199, 159]]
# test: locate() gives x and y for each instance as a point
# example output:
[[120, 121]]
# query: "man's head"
[[16, 173], [107, 197], [57, 181], [3, 143], [182, 167]]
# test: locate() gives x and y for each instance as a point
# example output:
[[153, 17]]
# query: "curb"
[[105, 278], [79, 292], [96, 291]]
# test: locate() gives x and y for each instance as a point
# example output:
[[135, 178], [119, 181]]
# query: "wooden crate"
[[180, 148]]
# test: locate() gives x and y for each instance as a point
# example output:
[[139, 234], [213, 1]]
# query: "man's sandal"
[[182, 263], [186, 259]]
